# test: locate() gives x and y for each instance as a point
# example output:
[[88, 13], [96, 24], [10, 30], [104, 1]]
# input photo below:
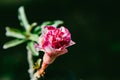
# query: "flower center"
[[58, 44]]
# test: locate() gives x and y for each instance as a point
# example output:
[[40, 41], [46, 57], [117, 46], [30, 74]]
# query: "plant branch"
[[30, 62]]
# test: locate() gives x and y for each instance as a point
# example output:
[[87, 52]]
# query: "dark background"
[[94, 25]]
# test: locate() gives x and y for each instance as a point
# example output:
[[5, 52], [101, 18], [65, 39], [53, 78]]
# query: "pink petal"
[[72, 43]]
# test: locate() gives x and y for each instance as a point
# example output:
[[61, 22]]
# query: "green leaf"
[[30, 45], [33, 37], [31, 27], [23, 19], [57, 23], [11, 32], [13, 43], [45, 24], [37, 64], [38, 28]]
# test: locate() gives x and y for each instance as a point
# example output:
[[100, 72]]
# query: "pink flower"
[[54, 42]]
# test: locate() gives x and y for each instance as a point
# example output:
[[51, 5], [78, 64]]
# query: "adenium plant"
[[46, 37]]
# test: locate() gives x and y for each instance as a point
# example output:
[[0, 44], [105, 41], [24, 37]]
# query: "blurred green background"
[[94, 25]]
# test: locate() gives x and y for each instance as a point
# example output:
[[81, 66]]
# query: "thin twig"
[[30, 62]]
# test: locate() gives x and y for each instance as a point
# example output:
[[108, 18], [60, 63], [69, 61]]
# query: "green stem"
[[30, 62]]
